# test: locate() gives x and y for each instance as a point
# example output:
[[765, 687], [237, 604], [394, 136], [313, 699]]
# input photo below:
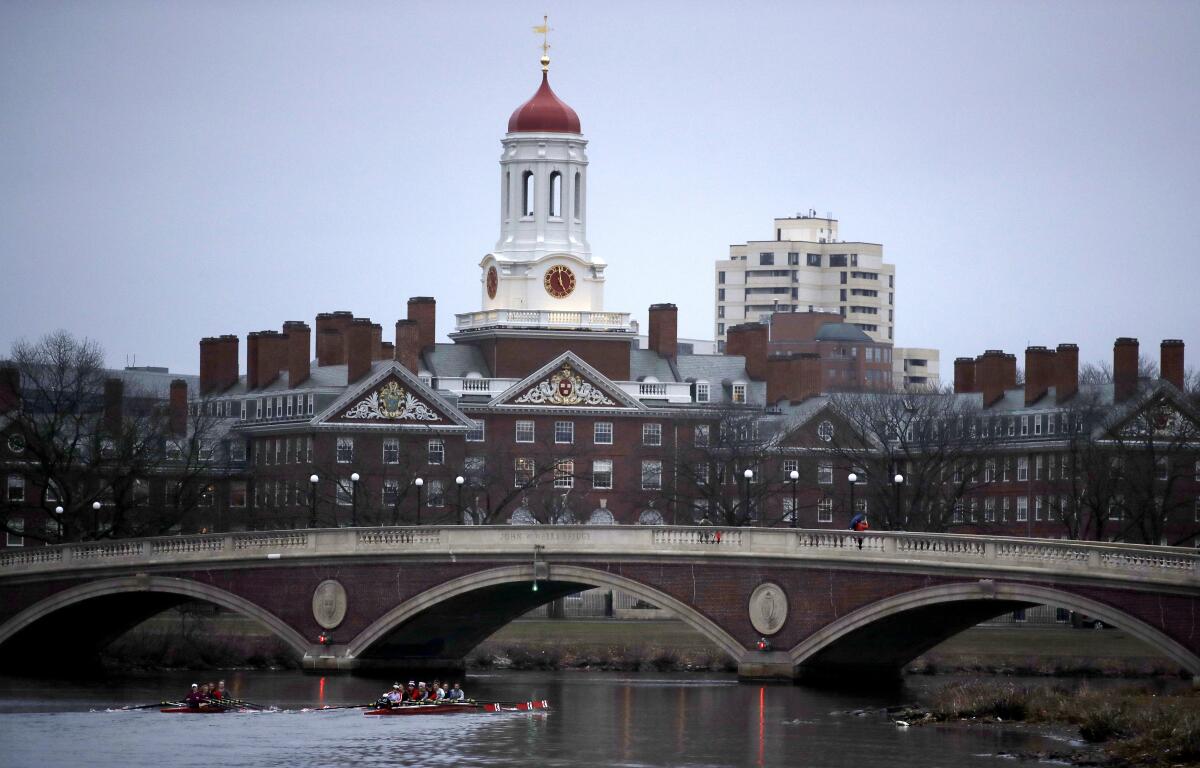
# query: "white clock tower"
[[542, 261]]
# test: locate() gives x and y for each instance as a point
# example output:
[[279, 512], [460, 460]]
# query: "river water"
[[597, 719]]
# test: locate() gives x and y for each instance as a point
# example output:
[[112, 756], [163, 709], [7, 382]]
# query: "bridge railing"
[[872, 549]]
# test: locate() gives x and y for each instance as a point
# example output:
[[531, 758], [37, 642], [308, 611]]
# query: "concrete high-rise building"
[[806, 268], [914, 367]]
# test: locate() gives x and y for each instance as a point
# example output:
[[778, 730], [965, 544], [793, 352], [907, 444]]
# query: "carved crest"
[[391, 401], [565, 387]]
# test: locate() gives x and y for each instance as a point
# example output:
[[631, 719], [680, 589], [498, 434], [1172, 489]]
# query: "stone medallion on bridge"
[[768, 608], [329, 603]]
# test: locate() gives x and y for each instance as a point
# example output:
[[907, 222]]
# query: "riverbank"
[[1134, 725], [200, 638]]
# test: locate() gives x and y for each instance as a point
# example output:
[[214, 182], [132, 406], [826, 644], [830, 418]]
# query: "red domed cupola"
[[545, 112]]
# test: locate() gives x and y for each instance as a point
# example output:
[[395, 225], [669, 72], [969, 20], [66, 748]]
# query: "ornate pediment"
[[566, 382], [565, 387], [392, 402]]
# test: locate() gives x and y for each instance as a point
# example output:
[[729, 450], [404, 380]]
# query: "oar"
[[347, 706], [238, 703], [150, 706]]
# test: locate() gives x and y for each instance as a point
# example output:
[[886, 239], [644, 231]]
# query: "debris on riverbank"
[[1133, 725]]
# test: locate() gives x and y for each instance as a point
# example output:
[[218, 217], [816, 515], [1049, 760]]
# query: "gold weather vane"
[[543, 29]]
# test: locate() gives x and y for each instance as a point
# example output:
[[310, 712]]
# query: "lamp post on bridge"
[[459, 482], [898, 484], [312, 499], [794, 476], [749, 475], [853, 478], [354, 478], [95, 519], [419, 483]]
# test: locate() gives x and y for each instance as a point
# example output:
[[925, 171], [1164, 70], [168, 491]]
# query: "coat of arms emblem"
[[391, 401], [565, 387]]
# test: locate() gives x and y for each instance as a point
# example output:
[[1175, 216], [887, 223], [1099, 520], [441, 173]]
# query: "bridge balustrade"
[[1093, 559]]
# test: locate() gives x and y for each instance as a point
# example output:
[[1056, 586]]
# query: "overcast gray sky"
[[172, 170]]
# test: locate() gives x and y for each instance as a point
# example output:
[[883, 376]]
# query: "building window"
[[522, 473], [814, 259], [720, 294], [243, 411], [652, 434], [837, 260], [1022, 468], [1163, 471], [1037, 424], [1037, 507], [1037, 467], [1024, 426], [344, 492], [700, 435], [237, 494], [766, 259], [602, 474], [475, 433], [825, 431], [825, 510], [825, 472], [721, 277], [270, 407], [956, 514], [437, 494], [564, 474], [288, 400], [14, 536], [435, 452], [345, 450], [1050, 421], [989, 509], [739, 393], [524, 431], [527, 190], [702, 390], [1022, 509], [391, 493], [564, 432], [391, 451], [651, 475], [789, 466], [602, 433], [577, 211], [16, 489], [310, 405]]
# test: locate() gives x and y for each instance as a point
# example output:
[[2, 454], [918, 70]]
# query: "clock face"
[[492, 281], [559, 282]]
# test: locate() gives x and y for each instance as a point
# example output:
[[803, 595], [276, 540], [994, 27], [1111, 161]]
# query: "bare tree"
[[940, 444]]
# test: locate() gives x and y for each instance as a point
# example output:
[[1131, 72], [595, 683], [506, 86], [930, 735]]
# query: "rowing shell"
[[196, 711], [444, 709]]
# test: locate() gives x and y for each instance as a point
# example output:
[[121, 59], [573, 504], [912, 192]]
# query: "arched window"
[[601, 516], [556, 194], [575, 211], [527, 193], [507, 195], [651, 517]]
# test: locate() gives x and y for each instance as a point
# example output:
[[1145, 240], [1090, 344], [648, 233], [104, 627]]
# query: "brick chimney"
[[218, 363], [664, 329], [1066, 372], [114, 405], [1170, 361], [995, 372], [331, 337], [423, 309], [266, 356], [358, 350], [377, 342], [178, 407], [408, 334], [299, 341], [387, 350], [1039, 373], [10, 388], [1125, 368], [750, 341], [964, 375]]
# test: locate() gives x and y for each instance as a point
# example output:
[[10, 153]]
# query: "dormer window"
[[702, 394], [738, 392]]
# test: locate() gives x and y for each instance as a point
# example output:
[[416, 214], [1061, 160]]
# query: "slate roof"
[[842, 332], [721, 371], [647, 362], [455, 360]]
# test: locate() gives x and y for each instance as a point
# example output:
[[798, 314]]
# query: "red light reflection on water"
[[762, 721], [321, 691]]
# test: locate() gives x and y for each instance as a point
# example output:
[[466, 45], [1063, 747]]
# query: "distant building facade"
[[916, 367], [806, 268]]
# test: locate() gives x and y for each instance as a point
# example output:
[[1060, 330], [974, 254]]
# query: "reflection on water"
[[598, 719]]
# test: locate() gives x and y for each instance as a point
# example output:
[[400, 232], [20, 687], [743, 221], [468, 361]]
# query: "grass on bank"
[[1136, 725]]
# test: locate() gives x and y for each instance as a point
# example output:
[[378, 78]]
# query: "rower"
[[214, 691], [456, 693], [396, 695], [221, 693], [194, 699], [437, 693], [421, 693]]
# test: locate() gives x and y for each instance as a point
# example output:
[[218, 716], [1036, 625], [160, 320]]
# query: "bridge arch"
[[155, 585], [564, 579], [857, 644]]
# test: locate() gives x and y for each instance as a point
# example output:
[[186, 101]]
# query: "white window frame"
[[391, 445], [652, 433], [651, 474], [15, 538], [1022, 469], [600, 430], [310, 404], [602, 474], [738, 393], [702, 392], [825, 473], [564, 473], [435, 452], [478, 431], [16, 483], [701, 435], [564, 433], [521, 426], [825, 510], [234, 487], [1022, 509], [344, 450], [520, 469], [243, 411]]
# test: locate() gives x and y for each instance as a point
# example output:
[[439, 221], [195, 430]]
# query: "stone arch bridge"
[[829, 603]]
